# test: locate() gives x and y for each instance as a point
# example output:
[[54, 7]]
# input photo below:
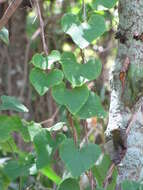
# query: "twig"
[[109, 175], [50, 120], [88, 134], [25, 68], [34, 36], [89, 174], [9, 12], [84, 10], [86, 131], [75, 137], [82, 55], [42, 27]]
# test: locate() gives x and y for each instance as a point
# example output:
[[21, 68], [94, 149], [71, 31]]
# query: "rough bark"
[[128, 101]]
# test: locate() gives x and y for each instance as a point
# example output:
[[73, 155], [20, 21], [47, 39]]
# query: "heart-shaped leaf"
[[45, 146], [69, 184], [12, 103], [92, 107], [78, 161], [42, 81], [77, 73], [40, 61], [83, 33], [106, 3], [73, 99], [16, 168]]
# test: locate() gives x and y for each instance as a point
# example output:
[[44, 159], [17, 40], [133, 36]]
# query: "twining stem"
[[42, 27], [75, 137]]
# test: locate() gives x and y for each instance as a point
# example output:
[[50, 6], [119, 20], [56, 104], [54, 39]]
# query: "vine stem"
[[42, 27], [20, 183], [75, 136], [84, 10]]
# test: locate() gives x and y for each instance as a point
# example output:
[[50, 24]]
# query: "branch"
[[9, 12], [42, 27]]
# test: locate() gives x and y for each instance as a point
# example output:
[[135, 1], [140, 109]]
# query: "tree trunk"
[[126, 106]]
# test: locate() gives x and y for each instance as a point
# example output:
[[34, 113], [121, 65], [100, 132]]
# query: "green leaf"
[[33, 129], [100, 171], [92, 108], [83, 33], [43, 81], [106, 3], [69, 184], [50, 173], [4, 181], [16, 168], [54, 56], [73, 99], [76, 73], [78, 161], [44, 147], [131, 185], [9, 125], [9, 146], [11, 103], [4, 35], [40, 61]]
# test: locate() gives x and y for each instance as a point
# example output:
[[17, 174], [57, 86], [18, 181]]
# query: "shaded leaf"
[[77, 73], [12, 103], [16, 168], [92, 108], [69, 184], [45, 146], [78, 161], [43, 81], [9, 125], [73, 99]]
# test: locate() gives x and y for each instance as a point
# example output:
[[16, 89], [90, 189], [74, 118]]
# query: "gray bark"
[[122, 108]]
